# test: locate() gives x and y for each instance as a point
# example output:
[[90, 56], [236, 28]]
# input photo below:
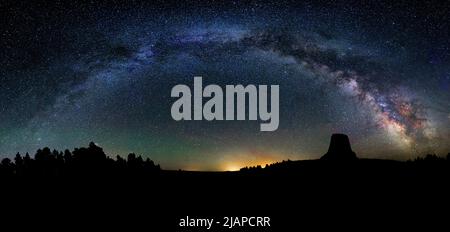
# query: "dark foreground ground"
[[296, 195]]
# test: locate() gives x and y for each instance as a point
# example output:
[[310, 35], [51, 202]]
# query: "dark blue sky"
[[75, 72]]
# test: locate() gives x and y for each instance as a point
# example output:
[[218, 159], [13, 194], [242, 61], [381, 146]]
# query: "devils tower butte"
[[339, 149]]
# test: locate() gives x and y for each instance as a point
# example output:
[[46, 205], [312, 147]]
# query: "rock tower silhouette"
[[340, 149]]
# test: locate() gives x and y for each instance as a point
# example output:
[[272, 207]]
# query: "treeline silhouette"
[[427, 169], [428, 159], [90, 161]]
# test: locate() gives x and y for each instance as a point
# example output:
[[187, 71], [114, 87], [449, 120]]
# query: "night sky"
[[77, 72]]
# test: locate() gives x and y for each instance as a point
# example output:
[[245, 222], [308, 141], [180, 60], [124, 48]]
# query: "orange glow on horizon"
[[236, 165], [234, 160], [232, 167]]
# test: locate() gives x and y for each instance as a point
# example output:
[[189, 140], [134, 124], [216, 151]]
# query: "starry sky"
[[75, 72]]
